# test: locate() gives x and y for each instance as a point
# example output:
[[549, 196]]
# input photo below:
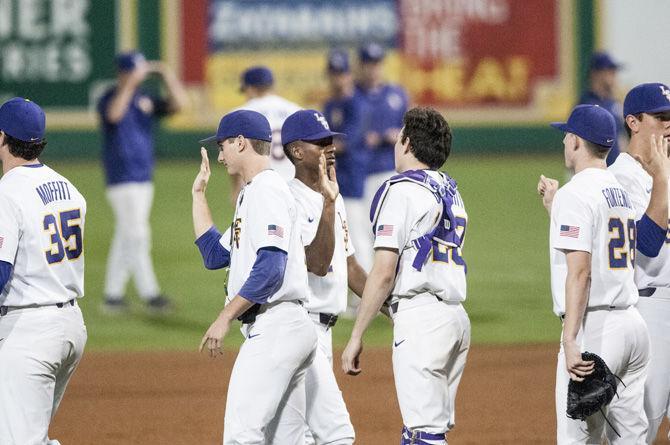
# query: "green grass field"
[[509, 298]]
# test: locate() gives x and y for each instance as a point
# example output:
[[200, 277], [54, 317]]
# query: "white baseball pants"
[[620, 337], [431, 343], [656, 313], [327, 416], [39, 351], [266, 393], [130, 252]]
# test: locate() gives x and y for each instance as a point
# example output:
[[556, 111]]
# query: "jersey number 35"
[[65, 236]]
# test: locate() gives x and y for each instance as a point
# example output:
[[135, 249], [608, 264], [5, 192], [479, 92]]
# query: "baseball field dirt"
[[505, 397]]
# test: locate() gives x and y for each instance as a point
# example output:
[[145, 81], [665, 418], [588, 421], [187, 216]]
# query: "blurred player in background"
[[127, 115], [42, 331], [257, 84], [387, 105], [601, 92], [346, 112], [419, 221]]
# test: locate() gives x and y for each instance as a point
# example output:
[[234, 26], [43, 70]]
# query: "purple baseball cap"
[[127, 61], [603, 61], [250, 124], [22, 119], [256, 76], [306, 125], [590, 122], [647, 98], [338, 61], [371, 53]]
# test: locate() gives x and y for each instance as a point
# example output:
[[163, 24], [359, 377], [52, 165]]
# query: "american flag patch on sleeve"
[[569, 231], [276, 230], [385, 230], [1, 241]]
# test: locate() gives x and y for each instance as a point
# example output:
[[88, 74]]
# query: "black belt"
[[250, 315], [5, 309], [327, 320], [647, 292]]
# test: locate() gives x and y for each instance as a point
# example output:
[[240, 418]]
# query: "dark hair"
[[288, 148], [260, 147], [597, 150], [429, 136], [23, 149], [638, 116]]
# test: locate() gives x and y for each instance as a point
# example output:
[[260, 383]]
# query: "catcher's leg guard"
[[416, 437]]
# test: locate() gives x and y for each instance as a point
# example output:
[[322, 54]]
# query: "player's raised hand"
[[656, 163], [202, 179], [351, 357], [213, 338], [547, 187], [328, 179], [577, 368]]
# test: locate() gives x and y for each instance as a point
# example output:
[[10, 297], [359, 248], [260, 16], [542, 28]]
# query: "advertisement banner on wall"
[[482, 61]]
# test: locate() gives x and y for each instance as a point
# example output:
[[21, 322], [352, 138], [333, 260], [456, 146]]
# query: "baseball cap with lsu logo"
[[247, 123], [306, 125], [647, 98], [22, 119], [592, 123]]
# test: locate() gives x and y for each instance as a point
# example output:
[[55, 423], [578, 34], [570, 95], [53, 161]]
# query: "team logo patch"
[[385, 230], [569, 231], [276, 230], [323, 120]]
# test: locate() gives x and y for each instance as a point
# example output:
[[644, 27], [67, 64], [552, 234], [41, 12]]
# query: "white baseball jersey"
[[408, 212], [593, 213], [266, 216], [275, 109], [329, 293], [41, 234], [649, 272]]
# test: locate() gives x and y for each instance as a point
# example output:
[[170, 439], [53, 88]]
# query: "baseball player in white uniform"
[[592, 239], [257, 84], [42, 332], [647, 113], [267, 287], [419, 221], [330, 261]]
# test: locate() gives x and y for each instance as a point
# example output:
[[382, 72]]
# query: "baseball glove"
[[595, 391]]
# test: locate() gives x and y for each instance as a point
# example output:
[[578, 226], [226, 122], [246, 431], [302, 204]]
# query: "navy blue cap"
[[250, 124], [338, 61], [590, 122], [647, 98], [305, 125], [603, 61], [256, 76], [127, 61], [371, 52], [22, 119]]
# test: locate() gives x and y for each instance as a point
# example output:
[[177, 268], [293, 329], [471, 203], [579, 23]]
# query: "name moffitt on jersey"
[[329, 293], [594, 213], [275, 109], [408, 212], [41, 234], [266, 216], [649, 272]]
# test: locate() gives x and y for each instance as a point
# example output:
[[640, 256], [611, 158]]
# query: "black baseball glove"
[[595, 391]]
